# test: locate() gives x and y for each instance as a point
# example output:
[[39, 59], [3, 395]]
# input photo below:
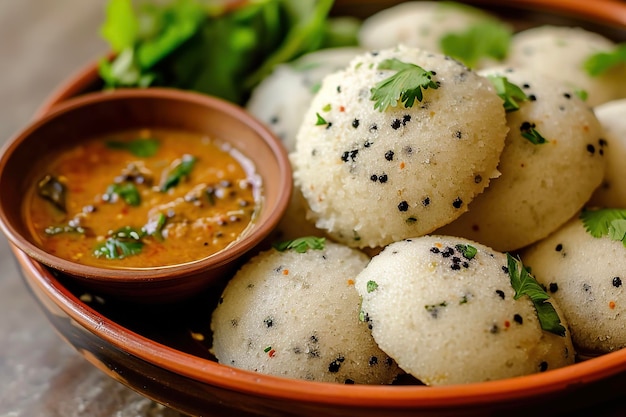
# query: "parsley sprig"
[[487, 38], [605, 222], [525, 284], [301, 244], [510, 93], [601, 62], [405, 85]]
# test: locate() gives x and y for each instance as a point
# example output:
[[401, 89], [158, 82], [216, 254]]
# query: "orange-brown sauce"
[[214, 200]]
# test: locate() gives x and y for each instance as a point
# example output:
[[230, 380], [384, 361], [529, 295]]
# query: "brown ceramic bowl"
[[164, 354], [97, 114]]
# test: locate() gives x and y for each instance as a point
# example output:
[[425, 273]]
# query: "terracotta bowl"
[[164, 354], [97, 114]]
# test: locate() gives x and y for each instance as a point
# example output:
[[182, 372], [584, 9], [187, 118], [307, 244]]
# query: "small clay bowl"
[[98, 114]]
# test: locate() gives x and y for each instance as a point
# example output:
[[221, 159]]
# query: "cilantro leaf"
[[510, 93], [529, 132], [605, 222], [302, 244], [139, 147], [601, 62], [120, 27], [371, 286], [320, 120], [178, 172], [122, 243], [487, 38], [405, 85], [525, 284], [468, 251], [126, 191]]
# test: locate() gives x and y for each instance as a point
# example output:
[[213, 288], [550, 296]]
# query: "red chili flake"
[[271, 353], [507, 324], [350, 282], [611, 305], [285, 272], [401, 165], [342, 108]]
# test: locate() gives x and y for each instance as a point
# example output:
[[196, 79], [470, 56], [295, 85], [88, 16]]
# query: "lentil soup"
[[142, 198]]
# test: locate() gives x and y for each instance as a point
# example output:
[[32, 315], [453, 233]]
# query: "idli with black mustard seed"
[[563, 53], [553, 160], [583, 267], [452, 311], [612, 192], [294, 312], [397, 145]]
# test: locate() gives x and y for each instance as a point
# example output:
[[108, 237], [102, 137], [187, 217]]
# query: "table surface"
[[41, 43]]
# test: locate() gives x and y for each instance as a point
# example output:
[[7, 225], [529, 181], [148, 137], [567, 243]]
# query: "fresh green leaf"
[[487, 38], [405, 85], [601, 62], [302, 244], [605, 222], [142, 148], [525, 284], [120, 27], [155, 226], [53, 190], [320, 120], [529, 132], [120, 244], [510, 93], [126, 191], [468, 251], [582, 94], [178, 172], [371, 286]]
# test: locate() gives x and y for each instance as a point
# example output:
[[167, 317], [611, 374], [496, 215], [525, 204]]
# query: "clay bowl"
[[165, 354], [98, 114]]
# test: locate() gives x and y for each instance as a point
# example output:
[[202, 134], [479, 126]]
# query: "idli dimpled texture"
[[586, 275], [296, 315], [373, 177], [448, 315]]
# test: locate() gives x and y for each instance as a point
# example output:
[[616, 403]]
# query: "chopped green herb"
[[371, 286], [605, 222], [405, 85], [582, 94], [302, 244], [126, 191], [488, 38], [267, 349], [362, 316], [529, 132], [433, 307], [53, 190], [320, 120], [155, 226], [327, 107], [525, 284], [468, 251], [178, 172], [139, 147], [510, 93], [601, 62], [122, 243]]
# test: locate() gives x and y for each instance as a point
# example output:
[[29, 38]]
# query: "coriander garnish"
[[301, 244], [122, 243], [605, 222], [181, 170], [529, 132], [371, 286], [139, 147], [510, 93], [601, 62], [525, 284], [405, 85], [468, 251], [487, 38], [320, 120]]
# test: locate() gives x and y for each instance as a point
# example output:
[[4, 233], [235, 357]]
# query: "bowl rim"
[[249, 240], [610, 12], [247, 382]]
